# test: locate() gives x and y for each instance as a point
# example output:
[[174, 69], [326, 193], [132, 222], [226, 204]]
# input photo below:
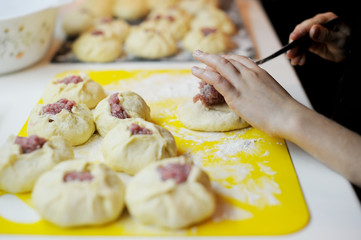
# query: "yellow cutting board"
[[252, 173]]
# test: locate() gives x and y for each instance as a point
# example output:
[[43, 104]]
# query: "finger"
[[223, 66], [302, 60], [245, 61], [321, 34], [214, 78]]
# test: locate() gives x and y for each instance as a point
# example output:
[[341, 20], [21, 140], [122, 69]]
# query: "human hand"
[[248, 89], [328, 44]]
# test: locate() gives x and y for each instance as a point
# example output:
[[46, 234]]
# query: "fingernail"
[[195, 69], [197, 52]]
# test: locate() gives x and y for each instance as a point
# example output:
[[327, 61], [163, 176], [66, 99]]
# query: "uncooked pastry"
[[77, 21], [210, 40], [218, 118], [116, 27], [76, 126], [150, 43], [19, 171], [133, 104], [166, 203], [130, 10], [87, 91], [79, 193], [129, 153], [96, 46]]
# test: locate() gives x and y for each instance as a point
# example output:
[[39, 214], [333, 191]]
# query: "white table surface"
[[335, 211]]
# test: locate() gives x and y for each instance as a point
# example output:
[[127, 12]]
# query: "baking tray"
[[242, 39], [257, 189]]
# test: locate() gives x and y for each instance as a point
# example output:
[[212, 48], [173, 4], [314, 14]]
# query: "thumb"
[[321, 34]]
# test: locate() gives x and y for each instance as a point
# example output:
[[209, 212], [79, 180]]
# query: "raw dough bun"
[[172, 20], [87, 92], [96, 46], [19, 172], [99, 8], [130, 153], [212, 17], [149, 43], [76, 127], [130, 10], [218, 118], [77, 21], [194, 6], [117, 27], [154, 4], [132, 103], [214, 42], [79, 203], [166, 203]]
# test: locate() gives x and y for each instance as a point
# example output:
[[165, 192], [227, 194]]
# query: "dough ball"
[[116, 27], [130, 10], [78, 193], [73, 121], [77, 21], [210, 40], [194, 6], [171, 193], [218, 118], [99, 8], [155, 4], [173, 20], [96, 46], [79, 88], [150, 44], [20, 168], [135, 143], [127, 105], [212, 17]]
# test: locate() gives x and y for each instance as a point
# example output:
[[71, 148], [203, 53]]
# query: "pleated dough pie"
[[149, 43], [109, 27], [130, 10], [133, 104], [212, 17], [19, 171], [77, 21], [210, 40], [171, 193], [135, 143], [99, 8], [194, 6], [173, 20], [81, 90], [96, 46], [75, 126], [218, 118], [78, 193]]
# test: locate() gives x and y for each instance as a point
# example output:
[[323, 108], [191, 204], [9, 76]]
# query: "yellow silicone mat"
[[252, 173]]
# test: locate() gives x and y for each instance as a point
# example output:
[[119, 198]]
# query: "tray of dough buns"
[[114, 153], [151, 30]]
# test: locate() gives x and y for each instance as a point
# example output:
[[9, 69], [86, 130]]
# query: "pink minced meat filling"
[[208, 31], [56, 108], [30, 144], [135, 129], [116, 109], [208, 95], [71, 79], [80, 176], [178, 172]]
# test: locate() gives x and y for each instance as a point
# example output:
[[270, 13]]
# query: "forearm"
[[329, 142]]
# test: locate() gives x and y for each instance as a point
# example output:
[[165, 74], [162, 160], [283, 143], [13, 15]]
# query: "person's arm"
[[327, 43], [256, 97]]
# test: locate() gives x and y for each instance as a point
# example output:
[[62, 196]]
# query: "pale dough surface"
[[218, 118], [76, 127], [133, 104], [87, 92], [167, 204], [79, 203], [130, 9], [149, 43], [97, 48], [217, 42], [129, 153], [116, 27], [19, 172], [77, 21]]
